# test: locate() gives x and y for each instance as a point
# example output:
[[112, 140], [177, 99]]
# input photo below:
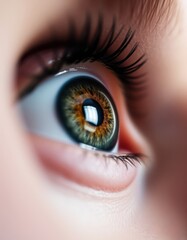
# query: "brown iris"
[[87, 112]]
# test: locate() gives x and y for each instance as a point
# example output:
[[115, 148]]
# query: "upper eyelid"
[[90, 37], [94, 51]]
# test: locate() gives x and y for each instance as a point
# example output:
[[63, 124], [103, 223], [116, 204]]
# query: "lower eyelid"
[[83, 166]]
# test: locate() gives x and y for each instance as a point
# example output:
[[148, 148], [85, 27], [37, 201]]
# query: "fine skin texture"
[[37, 203]]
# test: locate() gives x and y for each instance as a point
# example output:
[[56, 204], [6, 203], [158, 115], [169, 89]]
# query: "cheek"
[[53, 209]]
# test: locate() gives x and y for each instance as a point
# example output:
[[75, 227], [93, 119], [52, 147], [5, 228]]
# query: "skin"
[[38, 204]]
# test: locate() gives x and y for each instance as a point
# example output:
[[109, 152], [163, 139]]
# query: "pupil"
[[93, 113]]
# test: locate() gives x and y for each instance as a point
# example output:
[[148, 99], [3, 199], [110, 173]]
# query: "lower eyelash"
[[128, 159]]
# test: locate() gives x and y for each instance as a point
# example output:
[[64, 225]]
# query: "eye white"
[[38, 108]]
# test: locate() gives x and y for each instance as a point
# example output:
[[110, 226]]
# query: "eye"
[[72, 103], [73, 107], [86, 109]]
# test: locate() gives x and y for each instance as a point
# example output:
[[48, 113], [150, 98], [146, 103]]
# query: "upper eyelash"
[[82, 49], [94, 51]]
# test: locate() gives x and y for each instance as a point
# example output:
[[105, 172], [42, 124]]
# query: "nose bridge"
[[170, 125], [167, 125], [169, 139]]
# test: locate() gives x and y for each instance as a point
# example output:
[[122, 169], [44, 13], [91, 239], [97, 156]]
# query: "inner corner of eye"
[[74, 107]]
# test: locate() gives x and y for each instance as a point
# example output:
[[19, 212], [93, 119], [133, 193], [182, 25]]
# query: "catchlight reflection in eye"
[[93, 113], [73, 107]]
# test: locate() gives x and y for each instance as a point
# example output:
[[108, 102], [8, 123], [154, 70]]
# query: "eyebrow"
[[148, 12]]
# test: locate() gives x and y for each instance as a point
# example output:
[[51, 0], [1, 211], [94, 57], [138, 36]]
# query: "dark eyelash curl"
[[80, 49], [95, 51]]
